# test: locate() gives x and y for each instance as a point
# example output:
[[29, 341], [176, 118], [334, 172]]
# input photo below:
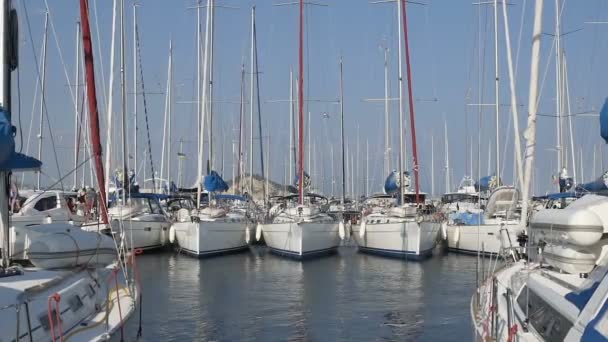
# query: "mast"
[[447, 158], [342, 132], [432, 166], [530, 133], [76, 106], [292, 147], [92, 101], [210, 101], [387, 139], [558, 88], [496, 94], [135, 86], [167, 122], [198, 71], [241, 132], [251, 70], [401, 114], [42, 92], [202, 106], [411, 102], [123, 93], [301, 105], [366, 167], [5, 105], [110, 103], [257, 85]]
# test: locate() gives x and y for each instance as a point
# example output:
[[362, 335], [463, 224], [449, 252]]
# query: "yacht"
[[484, 227], [301, 230], [562, 293], [79, 288], [41, 207], [391, 229], [221, 226]]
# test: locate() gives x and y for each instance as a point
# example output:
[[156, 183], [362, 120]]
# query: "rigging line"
[[103, 77], [19, 110], [143, 94], [65, 70], [521, 30], [45, 109]]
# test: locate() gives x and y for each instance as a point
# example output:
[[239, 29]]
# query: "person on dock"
[[563, 180]]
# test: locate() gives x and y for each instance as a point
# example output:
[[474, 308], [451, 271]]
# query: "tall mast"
[[251, 70], [123, 93], [411, 102], [170, 90], [198, 71], [342, 132], [5, 105], [135, 86], [401, 114], [558, 88], [447, 158], [259, 102], [496, 89], [110, 98], [387, 139], [530, 133], [241, 122], [432, 166], [92, 101], [301, 105], [203, 107], [76, 105], [42, 92], [292, 147], [210, 101]]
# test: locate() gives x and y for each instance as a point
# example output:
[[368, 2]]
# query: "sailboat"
[[560, 291], [400, 223], [215, 224], [76, 290], [299, 226], [136, 219]]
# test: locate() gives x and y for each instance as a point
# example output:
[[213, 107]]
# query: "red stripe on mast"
[[301, 106], [92, 98], [411, 101]]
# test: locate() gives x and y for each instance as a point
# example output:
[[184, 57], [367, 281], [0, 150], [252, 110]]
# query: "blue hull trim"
[[408, 255], [470, 252], [213, 253], [304, 256]]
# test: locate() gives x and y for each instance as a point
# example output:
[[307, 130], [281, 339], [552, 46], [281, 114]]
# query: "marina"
[[161, 181]]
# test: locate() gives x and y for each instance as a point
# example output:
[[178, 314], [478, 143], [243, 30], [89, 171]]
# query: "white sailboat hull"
[[88, 304], [405, 239], [210, 238], [145, 233], [485, 238], [301, 240]]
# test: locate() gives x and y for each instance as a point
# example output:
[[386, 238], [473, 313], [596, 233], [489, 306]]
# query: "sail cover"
[[9, 159], [214, 183], [604, 121], [600, 184], [391, 184]]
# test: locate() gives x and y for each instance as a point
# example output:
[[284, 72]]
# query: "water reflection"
[[349, 296]]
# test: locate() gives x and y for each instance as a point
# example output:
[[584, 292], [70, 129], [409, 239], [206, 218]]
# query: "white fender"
[[349, 229], [362, 229], [172, 238], [341, 230], [258, 232], [444, 231], [457, 234], [247, 234], [163, 236]]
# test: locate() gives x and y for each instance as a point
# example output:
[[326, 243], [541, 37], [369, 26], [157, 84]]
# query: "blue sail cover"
[[600, 184], [9, 159], [486, 183], [391, 184], [604, 121], [306, 180], [214, 183]]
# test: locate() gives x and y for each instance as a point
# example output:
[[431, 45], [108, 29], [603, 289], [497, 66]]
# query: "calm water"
[[348, 296]]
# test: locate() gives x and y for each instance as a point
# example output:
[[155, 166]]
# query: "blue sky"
[[445, 65]]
